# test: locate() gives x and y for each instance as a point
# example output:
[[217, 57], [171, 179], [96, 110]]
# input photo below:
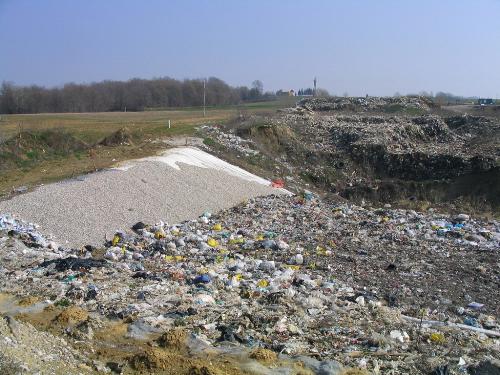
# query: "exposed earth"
[[401, 151]]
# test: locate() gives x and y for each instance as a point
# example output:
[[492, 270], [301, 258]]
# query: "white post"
[[204, 95], [169, 124]]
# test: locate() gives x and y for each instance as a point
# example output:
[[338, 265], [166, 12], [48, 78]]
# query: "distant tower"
[[314, 92]]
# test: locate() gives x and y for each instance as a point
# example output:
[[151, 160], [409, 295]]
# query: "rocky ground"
[[179, 184], [325, 285], [26, 350]]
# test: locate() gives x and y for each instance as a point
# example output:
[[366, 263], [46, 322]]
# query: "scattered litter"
[[320, 287]]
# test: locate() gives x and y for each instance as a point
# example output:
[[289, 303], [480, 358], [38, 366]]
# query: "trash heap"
[[230, 140], [28, 231], [371, 103], [418, 148], [392, 291]]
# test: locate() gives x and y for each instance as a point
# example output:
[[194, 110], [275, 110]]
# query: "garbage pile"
[[450, 161], [392, 291], [423, 147], [371, 103], [230, 140], [28, 231]]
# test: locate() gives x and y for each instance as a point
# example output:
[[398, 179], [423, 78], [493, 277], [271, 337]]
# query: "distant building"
[[485, 101], [285, 93]]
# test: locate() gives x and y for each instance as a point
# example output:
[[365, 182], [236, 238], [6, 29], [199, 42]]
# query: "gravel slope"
[[171, 188]]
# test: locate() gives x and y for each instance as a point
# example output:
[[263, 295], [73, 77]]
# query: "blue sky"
[[358, 46]]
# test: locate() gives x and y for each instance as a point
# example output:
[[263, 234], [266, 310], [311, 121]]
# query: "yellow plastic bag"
[[174, 258], [263, 283], [321, 251], [160, 234], [115, 240], [437, 338], [212, 242]]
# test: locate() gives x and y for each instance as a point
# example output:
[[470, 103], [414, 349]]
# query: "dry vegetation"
[[31, 151]]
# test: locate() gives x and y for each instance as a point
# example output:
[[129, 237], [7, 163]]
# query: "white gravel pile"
[[180, 184]]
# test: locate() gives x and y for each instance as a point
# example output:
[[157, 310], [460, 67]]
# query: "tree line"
[[132, 95], [308, 91]]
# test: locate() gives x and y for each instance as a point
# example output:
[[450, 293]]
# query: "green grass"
[[399, 109], [281, 102], [33, 155], [209, 141], [91, 127]]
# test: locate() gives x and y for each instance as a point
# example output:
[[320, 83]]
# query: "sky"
[[356, 47]]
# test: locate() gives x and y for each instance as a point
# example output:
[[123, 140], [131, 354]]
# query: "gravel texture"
[[82, 211], [25, 350]]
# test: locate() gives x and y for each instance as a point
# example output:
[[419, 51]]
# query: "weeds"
[[207, 141], [8, 366], [62, 303]]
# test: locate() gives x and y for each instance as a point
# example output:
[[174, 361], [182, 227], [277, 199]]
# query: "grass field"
[[27, 161], [91, 127]]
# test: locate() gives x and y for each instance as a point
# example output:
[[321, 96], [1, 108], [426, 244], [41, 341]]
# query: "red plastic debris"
[[278, 183]]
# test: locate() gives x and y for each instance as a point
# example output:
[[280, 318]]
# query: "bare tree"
[[257, 90], [134, 95]]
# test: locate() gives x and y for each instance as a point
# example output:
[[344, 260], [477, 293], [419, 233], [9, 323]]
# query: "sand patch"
[[71, 316]]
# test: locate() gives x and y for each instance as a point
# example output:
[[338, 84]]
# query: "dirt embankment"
[[29, 148], [380, 156]]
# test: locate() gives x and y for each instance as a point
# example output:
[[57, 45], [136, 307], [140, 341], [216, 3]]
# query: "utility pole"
[[204, 97], [314, 92]]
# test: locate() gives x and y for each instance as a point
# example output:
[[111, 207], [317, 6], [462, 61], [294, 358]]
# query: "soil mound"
[[28, 147], [174, 339], [72, 315], [120, 137], [264, 355], [380, 157]]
